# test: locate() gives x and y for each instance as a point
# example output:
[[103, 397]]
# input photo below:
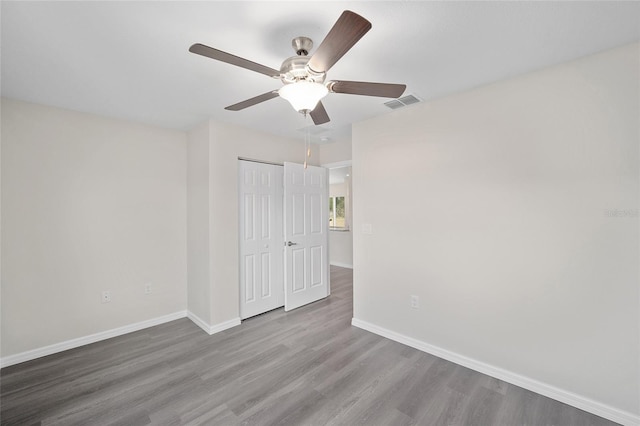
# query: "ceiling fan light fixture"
[[303, 75], [303, 95]]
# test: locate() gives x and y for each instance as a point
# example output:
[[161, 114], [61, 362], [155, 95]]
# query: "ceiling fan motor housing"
[[295, 68]]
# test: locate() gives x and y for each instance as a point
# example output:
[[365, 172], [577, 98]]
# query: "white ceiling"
[[130, 59]]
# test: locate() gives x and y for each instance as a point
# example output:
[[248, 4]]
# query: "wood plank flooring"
[[305, 367]]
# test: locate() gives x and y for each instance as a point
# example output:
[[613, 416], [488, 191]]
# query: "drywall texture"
[[226, 144], [88, 204], [512, 212]]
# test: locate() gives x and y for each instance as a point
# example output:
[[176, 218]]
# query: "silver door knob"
[[289, 243]]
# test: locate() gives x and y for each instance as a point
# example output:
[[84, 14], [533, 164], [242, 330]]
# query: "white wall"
[[198, 252], [338, 189], [88, 204], [334, 152], [226, 144], [492, 206]]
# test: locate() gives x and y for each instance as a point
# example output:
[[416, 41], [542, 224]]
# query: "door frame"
[[352, 229]]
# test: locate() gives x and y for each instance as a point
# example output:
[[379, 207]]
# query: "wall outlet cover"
[[415, 302]]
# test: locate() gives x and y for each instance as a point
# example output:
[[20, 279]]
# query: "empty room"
[[320, 213]]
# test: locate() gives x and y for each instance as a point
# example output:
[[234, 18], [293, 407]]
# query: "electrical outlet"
[[106, 296], [147, 288], [415, 302]]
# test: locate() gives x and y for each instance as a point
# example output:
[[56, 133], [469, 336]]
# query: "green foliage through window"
[[337, 215]]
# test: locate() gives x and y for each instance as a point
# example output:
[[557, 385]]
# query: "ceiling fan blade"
[[219, 55], [348, 29], [384, 90], [253, 101], [319, 115]]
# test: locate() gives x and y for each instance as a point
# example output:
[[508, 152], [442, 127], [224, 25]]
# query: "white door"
[[306, 194], [261, 237]]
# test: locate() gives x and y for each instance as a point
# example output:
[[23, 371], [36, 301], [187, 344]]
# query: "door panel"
[[250, 277], [306, 194], [266, 274], [261, 237], [316, 213], [266, 216], [249, 216], [316, 266], [297, 276], [297, 214]]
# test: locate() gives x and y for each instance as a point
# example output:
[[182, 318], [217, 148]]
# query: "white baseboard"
[[570, 398], [217, 328], [85, 340], [342, 265], [198, 321], [108, 334], [213, 329]]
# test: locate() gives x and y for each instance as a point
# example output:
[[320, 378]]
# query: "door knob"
[[289, 243]]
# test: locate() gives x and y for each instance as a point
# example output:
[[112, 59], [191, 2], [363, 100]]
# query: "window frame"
[[333, 214]]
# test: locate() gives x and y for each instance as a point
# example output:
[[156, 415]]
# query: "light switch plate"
[[415, 302], [367, 228]]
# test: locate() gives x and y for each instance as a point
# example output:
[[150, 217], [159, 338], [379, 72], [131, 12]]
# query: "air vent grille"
[[402, 102], [394, 104], [409, 99]]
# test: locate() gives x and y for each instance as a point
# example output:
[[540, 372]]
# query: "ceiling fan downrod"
[[302, 45]]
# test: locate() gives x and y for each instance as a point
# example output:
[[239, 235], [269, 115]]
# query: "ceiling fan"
[[304, 76]]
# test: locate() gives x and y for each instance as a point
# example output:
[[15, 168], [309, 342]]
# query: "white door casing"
[[261, 237], [306, 194]]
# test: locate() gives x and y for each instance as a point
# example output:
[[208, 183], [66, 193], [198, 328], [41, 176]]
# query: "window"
[[339, 197], [337, 217]]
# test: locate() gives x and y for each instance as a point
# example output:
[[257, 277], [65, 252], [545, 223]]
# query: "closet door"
[[306, 213], [261, 237]]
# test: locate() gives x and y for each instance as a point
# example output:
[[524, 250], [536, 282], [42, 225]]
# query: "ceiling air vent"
[[394, 104], [403, 101]]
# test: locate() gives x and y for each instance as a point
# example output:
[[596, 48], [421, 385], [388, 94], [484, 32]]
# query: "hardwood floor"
[[308, 366]]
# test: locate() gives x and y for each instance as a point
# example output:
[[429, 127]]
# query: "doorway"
[[283, 235], [340, 214]]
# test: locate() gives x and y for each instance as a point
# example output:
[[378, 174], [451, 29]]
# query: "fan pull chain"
[[307, 147]]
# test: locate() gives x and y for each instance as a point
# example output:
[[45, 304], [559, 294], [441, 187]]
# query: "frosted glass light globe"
[[303, 95]]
